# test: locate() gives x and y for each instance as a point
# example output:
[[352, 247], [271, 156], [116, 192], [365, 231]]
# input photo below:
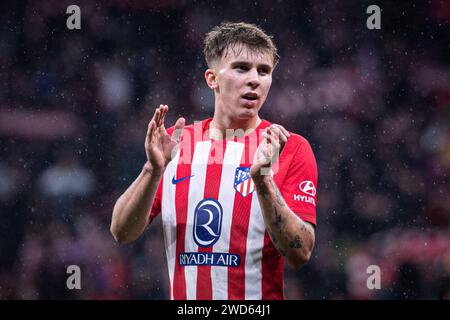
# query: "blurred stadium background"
[[74, 106]]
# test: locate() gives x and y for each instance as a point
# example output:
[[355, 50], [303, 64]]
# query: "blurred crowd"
[[75, 104]]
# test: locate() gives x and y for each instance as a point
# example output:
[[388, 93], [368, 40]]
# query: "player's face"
[[243, 80]]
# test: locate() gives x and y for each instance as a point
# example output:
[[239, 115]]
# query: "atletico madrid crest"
[[243, 183]]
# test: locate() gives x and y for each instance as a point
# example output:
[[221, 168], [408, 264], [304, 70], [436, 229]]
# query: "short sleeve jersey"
[[216, 243]]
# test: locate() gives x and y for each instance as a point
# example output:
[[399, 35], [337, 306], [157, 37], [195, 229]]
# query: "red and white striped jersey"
[[217, 246]]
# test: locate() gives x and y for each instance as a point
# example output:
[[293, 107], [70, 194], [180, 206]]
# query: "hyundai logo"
[[207, 222], [308, 187]]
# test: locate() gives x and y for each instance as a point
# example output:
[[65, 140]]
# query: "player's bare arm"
[[130, 213], [293, 237]]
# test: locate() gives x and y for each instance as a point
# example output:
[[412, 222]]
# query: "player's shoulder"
[[294, 137], [298, 145], [295, 142], [298, 138]]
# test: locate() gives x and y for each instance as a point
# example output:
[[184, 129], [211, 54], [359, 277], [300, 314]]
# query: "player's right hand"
[[159, 145]]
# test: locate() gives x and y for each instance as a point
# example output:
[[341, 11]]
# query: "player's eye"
[[263, 71], [242, 67]]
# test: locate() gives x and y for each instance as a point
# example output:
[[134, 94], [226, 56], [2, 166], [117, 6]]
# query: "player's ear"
[[211, 79]]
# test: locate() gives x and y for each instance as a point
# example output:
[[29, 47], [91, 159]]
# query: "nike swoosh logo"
[[175, 181]]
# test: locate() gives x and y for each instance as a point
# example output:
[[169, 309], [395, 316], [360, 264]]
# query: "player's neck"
[[219, 126]]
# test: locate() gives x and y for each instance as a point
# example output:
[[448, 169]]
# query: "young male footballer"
[[237, 194]]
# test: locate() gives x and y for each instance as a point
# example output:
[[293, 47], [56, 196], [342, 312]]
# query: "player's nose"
[[253, 78]]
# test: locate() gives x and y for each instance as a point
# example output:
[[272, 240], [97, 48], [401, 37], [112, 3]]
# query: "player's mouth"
[[250, 99], [250, 96]]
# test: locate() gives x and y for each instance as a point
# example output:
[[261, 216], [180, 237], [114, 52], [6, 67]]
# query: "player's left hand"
[[280, 132], [274, 139]]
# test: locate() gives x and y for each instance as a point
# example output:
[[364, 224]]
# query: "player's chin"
[[246, 112]]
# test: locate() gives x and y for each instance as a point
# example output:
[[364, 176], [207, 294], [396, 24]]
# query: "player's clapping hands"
[[159, 145], [274, 138]]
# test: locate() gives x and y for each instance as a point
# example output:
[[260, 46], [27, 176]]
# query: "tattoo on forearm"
[[262, 190], [304, 228], [275, 243], [280, 199], [297, 243], [279, 221]]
